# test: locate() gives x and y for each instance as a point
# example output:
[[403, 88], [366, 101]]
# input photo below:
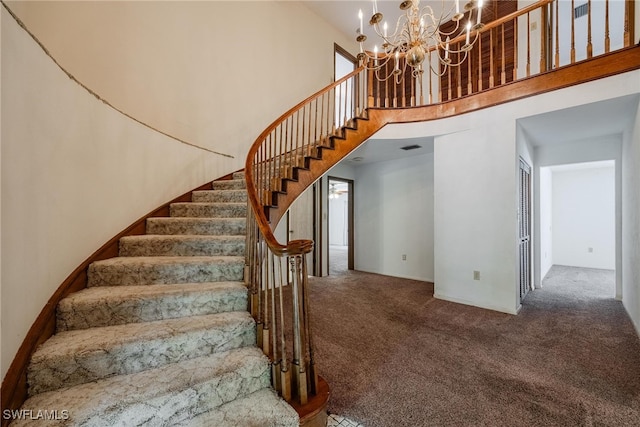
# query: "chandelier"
[[418, 33]]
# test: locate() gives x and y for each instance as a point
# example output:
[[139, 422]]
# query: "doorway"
[[340, 225], [578, 218]]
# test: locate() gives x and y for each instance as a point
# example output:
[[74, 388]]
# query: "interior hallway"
[[395, 356]]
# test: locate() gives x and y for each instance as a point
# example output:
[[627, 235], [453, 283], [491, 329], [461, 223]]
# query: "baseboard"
[[513, 311]]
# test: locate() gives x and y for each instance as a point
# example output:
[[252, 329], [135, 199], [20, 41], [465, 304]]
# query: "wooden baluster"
[[295, 140], [377, 80], [459, 77], [503, 72], [589, 44], [573, 33], [515, 49], [285, 373], [479, 62], [528, 45], [323, 133], [258, 279], [469, 75], [274, 325], [491, 59], [310, 363], [298, 362], [557, 20], [629, 22], [309, 142], [607, 40], [315, 130], [395, 92], [543, 38], [387, 89], [266, 326], [412, 89], [449, 95], [430, 75], [288, 141], [345, 97]]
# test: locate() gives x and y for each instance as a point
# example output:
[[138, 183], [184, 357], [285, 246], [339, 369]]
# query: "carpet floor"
[[395, 356]]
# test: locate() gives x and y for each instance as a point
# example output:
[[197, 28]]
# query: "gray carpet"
[[395, 356]]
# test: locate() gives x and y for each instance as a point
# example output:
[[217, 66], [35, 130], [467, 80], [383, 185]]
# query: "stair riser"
[[130, 247], [239, 196], [157, 274], [46, 374], [75, 316], [208, 210], [197, 226]]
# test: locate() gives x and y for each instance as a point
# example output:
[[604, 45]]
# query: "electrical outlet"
[[476, 275], [404, 257]]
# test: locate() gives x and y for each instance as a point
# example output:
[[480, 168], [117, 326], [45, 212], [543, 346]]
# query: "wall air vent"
[[581, 10], [410, 147]]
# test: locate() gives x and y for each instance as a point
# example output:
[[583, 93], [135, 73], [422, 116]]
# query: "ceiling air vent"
[[410, 147], [581, 10]]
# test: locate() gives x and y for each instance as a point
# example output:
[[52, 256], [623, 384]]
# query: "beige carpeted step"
[[230, 184], [185, 245], [107, 305], [159, 397], [208, 210], [200, 226], [219, 196], [77, 357], [132, 271], [262, 408]]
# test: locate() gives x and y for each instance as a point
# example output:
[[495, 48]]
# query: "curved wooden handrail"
[[294, 247]]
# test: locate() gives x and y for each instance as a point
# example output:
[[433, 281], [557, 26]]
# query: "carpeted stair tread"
[[129, 271], [200, 226], [219, 196], [262, 408], [230, 184], [108, 305], [208, 210], [184, 245], [77, 357], [163, 396]]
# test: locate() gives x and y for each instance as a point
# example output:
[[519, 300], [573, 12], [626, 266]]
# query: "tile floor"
[[340, 421]]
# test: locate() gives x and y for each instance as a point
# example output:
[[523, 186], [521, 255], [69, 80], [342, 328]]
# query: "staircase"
[[161, 336]]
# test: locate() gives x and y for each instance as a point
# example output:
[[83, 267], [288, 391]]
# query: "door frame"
[[350, 221], [525, 255]]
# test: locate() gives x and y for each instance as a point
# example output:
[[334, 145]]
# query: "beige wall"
[[75, 172]]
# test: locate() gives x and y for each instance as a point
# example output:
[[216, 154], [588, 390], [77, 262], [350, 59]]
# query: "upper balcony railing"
[[304, 142]]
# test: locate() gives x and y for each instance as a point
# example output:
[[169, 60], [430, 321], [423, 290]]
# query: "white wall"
[[631, 222], [192, 69], [394, 217], [476, 214], [584, 217], [75, 172], [545, 223]]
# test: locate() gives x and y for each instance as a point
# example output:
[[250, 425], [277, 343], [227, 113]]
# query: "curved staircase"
[[161, 335]]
